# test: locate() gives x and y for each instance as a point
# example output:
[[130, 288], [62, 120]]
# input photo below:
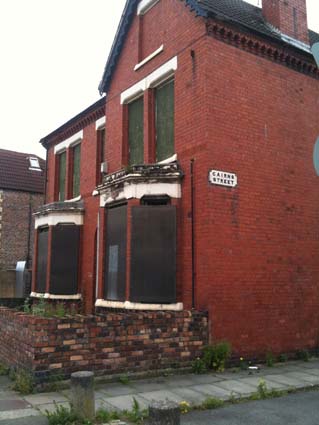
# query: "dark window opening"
[[115, 253], [153, 254], [100, 154], [155, 200], [64, 259], [136, 131], [42, 260]]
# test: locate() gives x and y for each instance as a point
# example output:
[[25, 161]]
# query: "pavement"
[[16, 409]]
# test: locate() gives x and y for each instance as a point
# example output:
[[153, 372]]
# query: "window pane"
[[76, 170], [136, 131], [62, 170], [164, 113]]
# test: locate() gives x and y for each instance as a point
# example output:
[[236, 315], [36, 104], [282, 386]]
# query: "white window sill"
[[55, 297], [149, 58], [127, 305]]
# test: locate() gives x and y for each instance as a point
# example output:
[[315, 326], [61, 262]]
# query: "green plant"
[[63, 416], [4, 370], [243, 364], [185, 407], [23, 381], [39, 308], [27, 306], [60, 310], [215, 356], [283, 358], [303, 355], [212, 403], [262, 389], [136, 415], [199, 366], [270, 360], [104, 416], [124, 379]]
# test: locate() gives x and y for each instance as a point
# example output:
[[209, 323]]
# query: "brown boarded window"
[[136, 131], [76, 170], [64, 259], [164, 120], [62, 172], [153, 254], [42, 260]]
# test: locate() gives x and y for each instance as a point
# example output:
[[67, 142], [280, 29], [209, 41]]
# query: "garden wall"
[[112, 343]]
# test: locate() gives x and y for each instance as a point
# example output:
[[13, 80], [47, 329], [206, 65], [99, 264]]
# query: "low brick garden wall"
[[112, 343]]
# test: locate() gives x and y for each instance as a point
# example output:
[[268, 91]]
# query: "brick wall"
[[112, 343], [15, 226]]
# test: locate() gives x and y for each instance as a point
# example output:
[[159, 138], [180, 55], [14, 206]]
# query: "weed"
[[199, 366], [262, 389], [215, 356], [282, 358], [124, 379], [23, 381], [185, 407], [136, 415], [4, 370], [27, 306], [270, 360], [243, 364], [104, 416], [60, 310], [64, 416], [303, 355], [212, 403]]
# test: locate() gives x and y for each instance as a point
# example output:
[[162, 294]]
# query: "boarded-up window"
[[115, 258], [153, 254], [62, 172], [100, 154], [42, 260], [64, 259], [76, 170], [164, 120], [136, 131]]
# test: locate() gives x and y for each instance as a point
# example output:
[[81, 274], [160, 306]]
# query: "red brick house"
[[192, 183], [22, 179]]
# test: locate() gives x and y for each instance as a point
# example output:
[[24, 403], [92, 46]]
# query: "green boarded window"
[[62, 170], [164, 115], [136, 131], [76, 170]]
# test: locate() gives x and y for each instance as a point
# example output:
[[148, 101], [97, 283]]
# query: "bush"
[[198, 366], [215, 356], [23, 381]]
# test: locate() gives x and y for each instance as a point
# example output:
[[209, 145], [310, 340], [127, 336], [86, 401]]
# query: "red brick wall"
[[112, 343], [16, 226]]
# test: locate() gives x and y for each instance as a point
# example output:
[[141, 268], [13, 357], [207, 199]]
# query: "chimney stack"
[[289, 16]]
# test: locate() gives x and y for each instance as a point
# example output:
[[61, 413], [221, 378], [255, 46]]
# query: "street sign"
[[223, 178]]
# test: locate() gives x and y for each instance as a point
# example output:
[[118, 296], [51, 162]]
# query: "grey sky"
[[53, 54]]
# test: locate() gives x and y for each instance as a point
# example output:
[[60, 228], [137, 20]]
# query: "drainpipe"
[[29, 230], [193, 231], [46, 177]]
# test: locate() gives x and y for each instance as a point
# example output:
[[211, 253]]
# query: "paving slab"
[[254, 381], [45, 398], [29, 420], [114, 390], [51, 407], [142, 387], [161, 395], [190, 395], [242, 388], [20, 413], [213, 391], [8, 404], [306, 377], [204, 379], [125, 402], [9, 394], [286, 381], [185, 381]]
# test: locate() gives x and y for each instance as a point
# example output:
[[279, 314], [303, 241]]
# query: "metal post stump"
[[82, 394], [164, 413]]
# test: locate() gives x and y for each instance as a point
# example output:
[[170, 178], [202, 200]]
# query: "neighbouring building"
[[22, 179], [191, 184]]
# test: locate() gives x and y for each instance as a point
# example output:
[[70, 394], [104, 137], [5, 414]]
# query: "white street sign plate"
[[223, 178]]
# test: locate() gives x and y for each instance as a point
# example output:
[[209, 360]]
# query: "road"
[[301, 408]]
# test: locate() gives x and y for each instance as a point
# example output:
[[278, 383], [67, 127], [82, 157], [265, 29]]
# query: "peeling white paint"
[[127, 305]]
